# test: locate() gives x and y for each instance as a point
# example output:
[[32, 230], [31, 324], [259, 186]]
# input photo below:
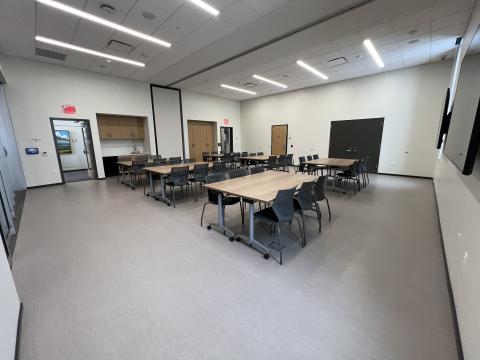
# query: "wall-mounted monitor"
[[32, 151], [464, 135], [445, 118]]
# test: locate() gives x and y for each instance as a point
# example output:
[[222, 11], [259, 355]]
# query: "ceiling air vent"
[[119, 46], [337, 62], [249, 85], [50, 54]]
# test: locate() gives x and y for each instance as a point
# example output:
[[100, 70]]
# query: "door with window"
[[356, 139], [279, 139], [226, 139], [89, 151]]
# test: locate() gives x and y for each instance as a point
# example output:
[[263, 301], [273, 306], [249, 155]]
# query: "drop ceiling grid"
[[437, 29]]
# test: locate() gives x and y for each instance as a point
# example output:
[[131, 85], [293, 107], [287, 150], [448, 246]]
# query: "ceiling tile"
[[377, 31], [122, 6], [451, 7], [137, 21], [347, 41], [419, 30], [52, 23], [410, 22], [450, 21], [79, 60], [450, 33], [264, 6], [238, 14]]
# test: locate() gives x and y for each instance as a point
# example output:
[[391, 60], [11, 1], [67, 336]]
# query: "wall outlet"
[[459, 237], [465, 260]]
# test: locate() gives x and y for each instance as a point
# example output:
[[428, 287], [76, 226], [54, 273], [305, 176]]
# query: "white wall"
[[9, 310], [36, 91], [211, 108], [77, 160], [409, 99], [123, 147]]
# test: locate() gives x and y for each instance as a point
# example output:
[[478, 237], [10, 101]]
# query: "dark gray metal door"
[[356, 139]]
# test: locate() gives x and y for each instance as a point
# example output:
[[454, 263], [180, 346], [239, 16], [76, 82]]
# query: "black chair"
[[233, 174], [199, 175], [319, 195], [251, 162], [244, 154], [272, 162], [188, 161], [236, 160], [302, 202], [174, 160], [178, 178], [281, 211], [351, 174], [282, 163], [228, 160], [218, 168], [289, 160], [257, 170], [260, 153], [213, 197], [205, 155], [137, 172], [302, 167], [316, 168], [316, 157]]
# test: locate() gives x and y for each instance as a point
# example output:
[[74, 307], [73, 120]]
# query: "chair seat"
[[197, 180], [227, 201], [267, 215], [171, 183]]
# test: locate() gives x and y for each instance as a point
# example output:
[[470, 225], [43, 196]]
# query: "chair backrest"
[[282, 160], [124, 158], [218, 168], [253, 154], [257, 170], [179, 175], [289, 159], [205, 153], [159, 162], [154, 157], [213, 178], [188, 161], [143, 158], [272, 160], [302, 165], [139, 164], [214, 153], [244, 153], [236, 156], [227, 157], [200, 172], [233, 174], [260, 153], [309, 157], [305, 197], [283, 205], [175, 160], [316, 157], [319, 188]]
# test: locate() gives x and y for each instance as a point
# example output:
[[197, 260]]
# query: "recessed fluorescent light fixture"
[[87, 51], [373, 52], [238, 89], [98, 20], [205, 7], [312, 69], [261, 78]]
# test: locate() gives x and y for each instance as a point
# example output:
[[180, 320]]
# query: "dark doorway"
[[75, 152], [226, 139], [356, 139]]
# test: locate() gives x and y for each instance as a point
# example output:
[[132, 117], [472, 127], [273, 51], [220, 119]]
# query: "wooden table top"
[[332, 162], [256, 157], [261, 187], [167, 169]]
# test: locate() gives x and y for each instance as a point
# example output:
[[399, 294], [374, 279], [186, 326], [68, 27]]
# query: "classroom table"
[[333, 163], [163, 171], [126, 165], [262, 187]]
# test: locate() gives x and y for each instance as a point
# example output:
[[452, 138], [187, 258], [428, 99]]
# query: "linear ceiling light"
[[238, 89], [98, 20], [87, 51], [312, 69], [261, 78], [205, 7], [373, 52]]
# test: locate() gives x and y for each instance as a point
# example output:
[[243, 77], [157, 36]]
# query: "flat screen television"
[[464, 135], [445, 120]]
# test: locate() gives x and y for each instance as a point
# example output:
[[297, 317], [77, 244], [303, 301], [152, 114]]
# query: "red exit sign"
[[226, 121], [69, 109]]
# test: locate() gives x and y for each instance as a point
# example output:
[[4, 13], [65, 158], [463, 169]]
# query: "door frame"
[[52, 125], [231, 140], [286, 138]]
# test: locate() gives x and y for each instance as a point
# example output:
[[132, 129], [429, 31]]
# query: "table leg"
[[162, 196], [221, 220], [251, 233]]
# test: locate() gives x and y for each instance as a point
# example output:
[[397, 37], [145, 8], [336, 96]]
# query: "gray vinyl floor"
[[105, 273]]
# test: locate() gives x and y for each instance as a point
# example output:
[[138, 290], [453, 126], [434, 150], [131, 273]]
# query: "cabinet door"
[[103, 128], [137, 128], [125, 125], [114, 126]]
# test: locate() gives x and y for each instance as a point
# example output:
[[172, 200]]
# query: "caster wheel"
[[232, 238], [238, 239], [209, 227], [169, 204], [157, 199], [266, 256]]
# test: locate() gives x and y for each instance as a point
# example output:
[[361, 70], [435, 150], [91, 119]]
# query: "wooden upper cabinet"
[[120, 127]]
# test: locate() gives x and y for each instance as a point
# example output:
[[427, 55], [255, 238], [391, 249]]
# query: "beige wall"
[[409, 99]]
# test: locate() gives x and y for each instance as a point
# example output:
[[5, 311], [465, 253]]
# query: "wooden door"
[[201, 138], [279, 139]]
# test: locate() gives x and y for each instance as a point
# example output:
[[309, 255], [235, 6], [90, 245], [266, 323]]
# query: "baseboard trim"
[[74, 170], [41, 186], [458, 338], [409, 176], [19, 332]]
